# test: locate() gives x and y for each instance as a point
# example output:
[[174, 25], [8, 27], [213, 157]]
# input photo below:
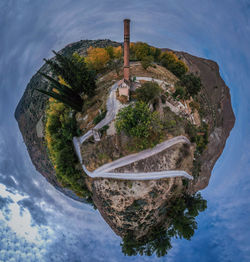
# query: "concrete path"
[[113, 106]]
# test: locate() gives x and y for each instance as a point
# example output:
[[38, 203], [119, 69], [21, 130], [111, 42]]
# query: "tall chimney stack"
[[126, 49]]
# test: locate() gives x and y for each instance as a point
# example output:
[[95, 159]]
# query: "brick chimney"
[[126, 49]]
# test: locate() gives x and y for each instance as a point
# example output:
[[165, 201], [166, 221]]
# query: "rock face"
[[221, 116], [134, 205]]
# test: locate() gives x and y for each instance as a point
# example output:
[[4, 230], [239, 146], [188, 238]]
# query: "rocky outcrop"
[[219, 113]]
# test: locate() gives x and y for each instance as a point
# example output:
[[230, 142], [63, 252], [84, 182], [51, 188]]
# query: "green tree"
[[75, 73], [148, 92], [180, 92], [180, 217], [137, 121], [147, 61], [192, 83], [173, 64], [141, 50]]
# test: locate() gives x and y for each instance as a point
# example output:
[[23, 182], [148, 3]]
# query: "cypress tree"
[[63, 99]]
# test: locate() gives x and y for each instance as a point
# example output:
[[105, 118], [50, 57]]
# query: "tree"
[[118, 52], [173, 64], [115, 64], [180, 217], [137, 121], [147, 61], [64, 99], [97, 58], [110, 51], [75, 73], [74, 79], [192, 83], [148, 91], [180, 92], [141, 50], [60, 127], [143, 126]]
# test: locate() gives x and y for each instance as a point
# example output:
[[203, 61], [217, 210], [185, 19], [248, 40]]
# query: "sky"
[[38, 223]]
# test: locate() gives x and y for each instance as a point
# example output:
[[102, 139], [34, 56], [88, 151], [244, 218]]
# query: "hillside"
[[136, 208]]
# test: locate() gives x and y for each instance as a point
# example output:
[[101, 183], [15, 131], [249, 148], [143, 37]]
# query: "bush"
[[147, 61], [180, 92], [148, 92], [180, 216], [170, 61], [192, 84], [139, 122], [99, 117], [139, 51], [97, 58], [59, 131]]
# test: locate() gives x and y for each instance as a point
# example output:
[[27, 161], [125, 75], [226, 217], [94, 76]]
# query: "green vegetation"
[[192, 84], [180, 92], [200, 137], [147, 61], [189, 85], [180, 213], [148, 91], [75, 80], [99, 117], [147, 54], [140, 123], [59, 131], [140, 50], [173, 64], [99, 59]]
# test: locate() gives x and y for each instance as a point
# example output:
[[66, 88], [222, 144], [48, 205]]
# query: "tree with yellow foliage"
[[118, 52], [169, 60], [97, 58]]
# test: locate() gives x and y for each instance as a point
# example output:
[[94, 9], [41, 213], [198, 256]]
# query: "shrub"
[[140, 50], [99, 117], [97, 58], [180, 92], [180, 214], [139, 122], [60, 128], [192, 83], [170, 61], [148, 92], [147, 61]]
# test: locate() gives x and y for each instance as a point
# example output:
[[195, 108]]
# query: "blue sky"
[[37, 223]]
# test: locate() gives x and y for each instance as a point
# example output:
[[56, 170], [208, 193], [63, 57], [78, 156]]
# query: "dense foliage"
[[173, 64], [79, 81], [148, 54], [148, 91], [59, 131], [139, 122], [140, 50], [100, 58], [180, 215]]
